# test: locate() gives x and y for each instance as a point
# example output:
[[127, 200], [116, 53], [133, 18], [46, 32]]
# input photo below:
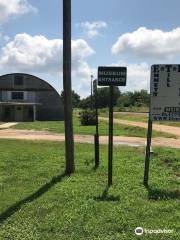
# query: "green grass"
[[131, 109], [169, 123], [139, 118], [39, 203], [127, 116], [131, 117], [119, 129]]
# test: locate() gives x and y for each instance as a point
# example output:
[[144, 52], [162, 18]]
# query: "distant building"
[[24, 97]]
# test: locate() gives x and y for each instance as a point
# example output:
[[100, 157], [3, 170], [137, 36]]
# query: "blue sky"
[[132, 33]]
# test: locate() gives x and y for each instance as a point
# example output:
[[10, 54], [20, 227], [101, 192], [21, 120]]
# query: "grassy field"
[[169, 123], [131, 117], [38, 202], [119, 130], [130, 109], [139, 118]]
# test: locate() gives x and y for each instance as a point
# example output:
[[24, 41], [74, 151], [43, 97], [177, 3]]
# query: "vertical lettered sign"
[[165, 92]]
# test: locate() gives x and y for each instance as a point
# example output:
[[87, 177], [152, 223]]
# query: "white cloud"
[[92, 29], [9, 8], [138, 76], [38, 54], [149, 43]]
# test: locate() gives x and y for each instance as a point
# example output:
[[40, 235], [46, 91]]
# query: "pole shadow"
[[106, 197], [15, 207], [160, 194], [95, 168]]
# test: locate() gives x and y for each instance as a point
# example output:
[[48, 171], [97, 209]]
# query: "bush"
[[88, 118]]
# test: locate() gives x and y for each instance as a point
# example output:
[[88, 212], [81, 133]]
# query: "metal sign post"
[[96, 136], [111, 76], [110, 149], [148, 152]]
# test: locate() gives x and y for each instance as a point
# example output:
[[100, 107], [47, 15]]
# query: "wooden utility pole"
[[69, 137], [96, 136]]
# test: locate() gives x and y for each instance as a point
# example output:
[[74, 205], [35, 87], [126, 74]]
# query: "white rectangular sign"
[[165, 93]]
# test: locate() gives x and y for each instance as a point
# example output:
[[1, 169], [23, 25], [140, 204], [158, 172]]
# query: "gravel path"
[[118, 140]]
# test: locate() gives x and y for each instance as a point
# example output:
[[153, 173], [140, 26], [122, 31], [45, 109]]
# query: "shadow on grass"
[[88, 162], [106, 197], [95, 168], [158, 194], [15, 207]]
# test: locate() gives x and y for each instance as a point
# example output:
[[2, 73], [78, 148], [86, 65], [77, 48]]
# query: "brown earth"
[[118, 140]]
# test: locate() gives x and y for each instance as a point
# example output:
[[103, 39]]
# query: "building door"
[[31, 114], [7, 114], [19, 114], [27, 114]]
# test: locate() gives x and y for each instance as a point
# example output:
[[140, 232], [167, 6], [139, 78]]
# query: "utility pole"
[[92, 92], [69, 137], [96, 136]]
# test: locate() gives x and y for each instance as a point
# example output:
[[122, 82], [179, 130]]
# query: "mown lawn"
[[39, 203], [119, 129]]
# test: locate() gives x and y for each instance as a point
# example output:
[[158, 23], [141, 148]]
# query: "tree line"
[[121, 100]]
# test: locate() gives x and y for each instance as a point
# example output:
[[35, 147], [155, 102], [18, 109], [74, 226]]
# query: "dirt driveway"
[[118, 140], [156, 127]]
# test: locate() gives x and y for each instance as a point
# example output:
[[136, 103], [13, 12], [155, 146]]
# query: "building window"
[[18, 80], [17, 95]]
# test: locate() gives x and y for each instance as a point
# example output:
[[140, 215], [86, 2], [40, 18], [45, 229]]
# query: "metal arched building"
[[24, 97]]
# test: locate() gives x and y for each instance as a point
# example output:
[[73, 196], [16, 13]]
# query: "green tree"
[[125, 100], [141, 98], [75, 99], [85, 103], [103, 96], [137, 98]]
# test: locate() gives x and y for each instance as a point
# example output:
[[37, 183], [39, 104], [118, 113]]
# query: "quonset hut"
[[24, 97]]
